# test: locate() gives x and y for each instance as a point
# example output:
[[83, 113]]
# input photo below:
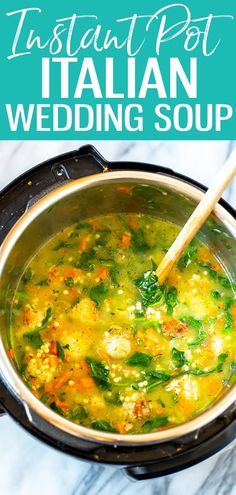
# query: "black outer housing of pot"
[[140, 462]]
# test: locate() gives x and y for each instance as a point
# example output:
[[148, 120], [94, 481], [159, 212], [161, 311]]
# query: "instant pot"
[[53, 195]]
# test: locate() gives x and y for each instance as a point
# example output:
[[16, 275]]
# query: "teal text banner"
[[118, 70]]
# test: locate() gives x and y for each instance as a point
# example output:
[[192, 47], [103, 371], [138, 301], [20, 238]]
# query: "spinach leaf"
[[207, 266], [28, 275], [46, 319], [154, 423], [192, 322], [199, 372], [113, 277], [84, 226], [228, 302], [78, 413], [151, 293], [228, 315], [69, 282], [215, 294], [43, 283], [114, 399], [201, 337], [139, 359], [155, 377], [178, 357], [98, 294], [228, 321], [87, 261], [60, 351], [232, 370], [104, 237], [103, 426], [224, 282], [171, 300], [34, 338], [233, 366], [154, 265], [197, 325], [63, 244], [138, 241], [150, 324], [221, 361], [100, 373], [189, 255], [56, 409], [44, 398]]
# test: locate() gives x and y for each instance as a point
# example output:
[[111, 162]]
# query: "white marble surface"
[[27, 467]]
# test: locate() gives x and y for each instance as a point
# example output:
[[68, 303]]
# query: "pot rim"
[[13, 381]]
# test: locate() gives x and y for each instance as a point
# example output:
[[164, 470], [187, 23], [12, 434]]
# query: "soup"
[[100, 343]]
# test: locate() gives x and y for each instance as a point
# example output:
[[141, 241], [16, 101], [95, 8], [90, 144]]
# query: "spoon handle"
[[198, 217]]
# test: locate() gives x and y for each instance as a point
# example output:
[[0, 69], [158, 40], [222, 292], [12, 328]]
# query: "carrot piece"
[[64, 377], [10, 353], [83, 244], [103, 273], [103, 353], [124, 189], [79, 387], [125, 240], [94, 224], [87, 382], [159, 410], [84, 383], [53, 348], [53, 360], [216, 266], [233, 311], [49, 387], [84, 366], [133, 223], [204, 255], [121, 428], [62, 405]]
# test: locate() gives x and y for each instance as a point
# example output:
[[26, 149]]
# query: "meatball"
[[174, 328], [117, 343], [142, 408], [85, 311]]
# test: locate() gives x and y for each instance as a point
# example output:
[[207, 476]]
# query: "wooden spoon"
[[198, 217]]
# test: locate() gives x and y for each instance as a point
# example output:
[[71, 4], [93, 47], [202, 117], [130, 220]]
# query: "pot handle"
[[142, 473], [2, 390], [99, 162], [2, 412]]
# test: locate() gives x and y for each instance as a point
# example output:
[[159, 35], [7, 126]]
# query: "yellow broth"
[[99, 342]]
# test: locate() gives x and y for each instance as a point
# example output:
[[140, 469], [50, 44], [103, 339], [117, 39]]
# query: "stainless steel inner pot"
[[166, 197]]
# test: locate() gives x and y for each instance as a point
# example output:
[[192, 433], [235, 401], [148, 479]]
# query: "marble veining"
[[28, 467]]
